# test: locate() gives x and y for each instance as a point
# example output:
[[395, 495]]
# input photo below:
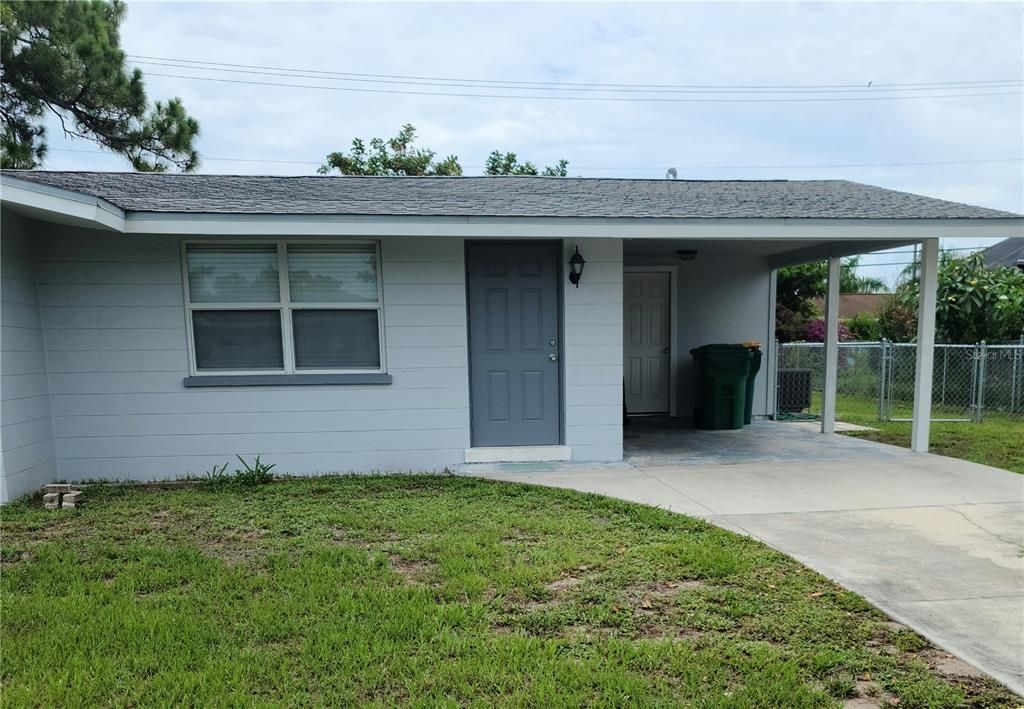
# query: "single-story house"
[[853, 304], [155, 325]]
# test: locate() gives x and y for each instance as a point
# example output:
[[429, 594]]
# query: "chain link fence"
[[876, 380]]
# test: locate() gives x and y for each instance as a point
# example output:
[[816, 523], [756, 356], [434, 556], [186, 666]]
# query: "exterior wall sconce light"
[[686, 254], [576, 263]]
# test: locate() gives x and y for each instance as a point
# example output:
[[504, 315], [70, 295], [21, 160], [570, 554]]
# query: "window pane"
[[336, 339], [233, 274], [237, 339], [333, 273]]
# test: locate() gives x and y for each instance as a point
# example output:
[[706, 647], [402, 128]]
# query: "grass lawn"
[[432, 591], [996, 441]]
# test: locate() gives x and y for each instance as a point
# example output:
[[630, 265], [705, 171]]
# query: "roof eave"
[[66, 206], [567, 227], [60, 205]]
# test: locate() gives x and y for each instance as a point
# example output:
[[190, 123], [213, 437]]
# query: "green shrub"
[[898, 320], [864, 327]]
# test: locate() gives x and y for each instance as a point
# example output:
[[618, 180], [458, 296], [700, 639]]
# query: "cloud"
[[689, 43]]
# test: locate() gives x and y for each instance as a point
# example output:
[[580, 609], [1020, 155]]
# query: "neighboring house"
[[157, 324], [853, 304], [1008, 252]]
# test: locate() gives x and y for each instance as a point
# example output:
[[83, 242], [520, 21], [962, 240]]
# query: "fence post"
[[881, 380], [777, 365], [945, 368], [974, 383], [890, 370], [982, 357], [1018, 354]]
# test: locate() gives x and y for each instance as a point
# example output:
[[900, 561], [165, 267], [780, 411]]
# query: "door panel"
[[646, 339], [513, 343]]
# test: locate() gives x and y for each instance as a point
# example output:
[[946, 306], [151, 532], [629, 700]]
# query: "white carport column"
[[828, 394], [928, 286]]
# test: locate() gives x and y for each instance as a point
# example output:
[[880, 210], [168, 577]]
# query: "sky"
[[245, 128]]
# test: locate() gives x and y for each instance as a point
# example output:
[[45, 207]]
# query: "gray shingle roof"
[[505, 196], [1005, 253]]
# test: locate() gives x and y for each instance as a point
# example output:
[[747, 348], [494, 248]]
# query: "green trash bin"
[[721, 385], [753, 368]]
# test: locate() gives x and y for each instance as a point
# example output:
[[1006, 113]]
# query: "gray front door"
[[513, 343]]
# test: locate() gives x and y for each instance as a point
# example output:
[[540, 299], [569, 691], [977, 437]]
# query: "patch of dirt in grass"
[[64, 526], [236, 547], [566, 583], [171, 524], [10, 557], [587, 633], [412, 572], [670, 631], [518, 536], [882, 648], [649, 604], [893, 626], [869, 695], [649, 598], [979, 689], [948, 665], [557, 590]]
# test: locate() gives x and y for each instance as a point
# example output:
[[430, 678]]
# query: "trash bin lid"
[[719, 346]]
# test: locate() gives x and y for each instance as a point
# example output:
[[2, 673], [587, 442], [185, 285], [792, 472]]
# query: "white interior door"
[[646, 341]]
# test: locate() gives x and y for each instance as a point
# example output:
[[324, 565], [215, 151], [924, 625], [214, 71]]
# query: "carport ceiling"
[[659, 251]]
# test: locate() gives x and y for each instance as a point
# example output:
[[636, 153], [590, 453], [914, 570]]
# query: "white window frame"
[[284, 306]]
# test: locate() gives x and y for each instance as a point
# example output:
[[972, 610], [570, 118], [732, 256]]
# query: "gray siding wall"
[[718, 299], [113, 316], [107, 400], [723, 300], [593, 352], [26, 430]]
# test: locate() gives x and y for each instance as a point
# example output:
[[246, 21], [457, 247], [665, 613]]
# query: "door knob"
[[553, 357], [665, 351]]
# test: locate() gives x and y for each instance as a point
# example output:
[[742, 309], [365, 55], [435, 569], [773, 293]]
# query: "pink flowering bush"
[[814, 331]]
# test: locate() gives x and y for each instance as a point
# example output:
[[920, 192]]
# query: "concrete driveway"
[[936, 543]]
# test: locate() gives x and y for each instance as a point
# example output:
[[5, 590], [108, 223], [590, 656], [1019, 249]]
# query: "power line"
[[894, 263], [644, 99], [634, 167], [531, 86], [565, 84], [958, 248]]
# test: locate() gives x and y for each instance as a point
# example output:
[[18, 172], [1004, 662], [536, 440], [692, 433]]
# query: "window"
[[284, 307]]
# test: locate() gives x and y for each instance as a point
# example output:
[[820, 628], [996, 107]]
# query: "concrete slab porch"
[[936, 543]]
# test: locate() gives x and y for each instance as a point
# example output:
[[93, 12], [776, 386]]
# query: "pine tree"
[[64, 57]]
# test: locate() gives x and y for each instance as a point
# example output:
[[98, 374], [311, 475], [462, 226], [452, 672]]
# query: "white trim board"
[[569, 228], [518, 454]]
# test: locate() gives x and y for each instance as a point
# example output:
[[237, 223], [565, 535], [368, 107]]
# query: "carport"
[[720, 283]]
